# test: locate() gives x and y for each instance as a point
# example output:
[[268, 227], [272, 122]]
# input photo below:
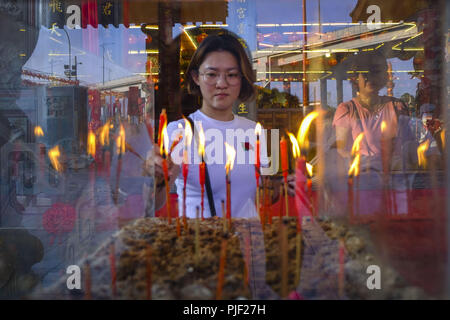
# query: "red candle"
[[166, 181], [185, 166], [202, 165], [257, 165], [185, 174], [231, 154], [301, 197]]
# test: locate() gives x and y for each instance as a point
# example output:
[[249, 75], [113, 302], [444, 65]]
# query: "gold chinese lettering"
[[107, 9], [55, 5]]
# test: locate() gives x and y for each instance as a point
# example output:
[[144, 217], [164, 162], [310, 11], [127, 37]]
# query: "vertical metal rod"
[[305, 84]]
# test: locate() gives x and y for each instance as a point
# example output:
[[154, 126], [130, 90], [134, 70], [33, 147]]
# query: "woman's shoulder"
[[399, 105], [243, 122]]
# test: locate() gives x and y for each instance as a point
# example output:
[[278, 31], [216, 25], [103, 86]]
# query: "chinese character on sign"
[[241, 13], [55, 5], [241, 27], [242, 109], [107, 8], [53, 29]]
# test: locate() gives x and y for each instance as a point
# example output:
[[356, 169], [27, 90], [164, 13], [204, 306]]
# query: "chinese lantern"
[[201, 37], [332, 62]]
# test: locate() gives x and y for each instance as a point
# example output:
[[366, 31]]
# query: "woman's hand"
[[155, 162], [291, 185]]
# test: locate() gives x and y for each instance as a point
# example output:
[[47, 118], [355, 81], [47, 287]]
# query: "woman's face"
[[219, 79], [374, 80]]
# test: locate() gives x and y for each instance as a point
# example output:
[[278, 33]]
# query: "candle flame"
[[104, 134], [164, 143], [38, 132], [201, 141], [309, 168], [91, 143], [120, 141], [187, 133], [354, 167], [302, 135], [443, 138], [383, 126], [258, 129], [54, 154], [423, 147], [295, 146], [357, 144], [231, 155]]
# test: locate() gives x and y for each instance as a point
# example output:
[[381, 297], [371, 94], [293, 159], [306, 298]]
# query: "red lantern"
[[332, 62], [201, 37]]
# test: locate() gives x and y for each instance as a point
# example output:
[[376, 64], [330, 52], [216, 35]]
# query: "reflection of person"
[[220, 73], [367, 112]]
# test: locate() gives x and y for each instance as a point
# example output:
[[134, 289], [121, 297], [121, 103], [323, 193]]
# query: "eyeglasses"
[[212, 77]]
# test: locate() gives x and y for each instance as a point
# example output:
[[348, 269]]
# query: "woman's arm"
[[341, 141]]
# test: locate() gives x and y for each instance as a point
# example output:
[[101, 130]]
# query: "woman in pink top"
[[367, 112]]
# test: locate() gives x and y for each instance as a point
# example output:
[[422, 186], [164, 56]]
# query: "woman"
[[221, 74], [382, 119]]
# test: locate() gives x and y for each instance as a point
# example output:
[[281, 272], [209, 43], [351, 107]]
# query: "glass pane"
[[100, 185]]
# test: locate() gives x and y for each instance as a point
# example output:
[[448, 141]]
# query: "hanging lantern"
[[201, 37], [332, 61]]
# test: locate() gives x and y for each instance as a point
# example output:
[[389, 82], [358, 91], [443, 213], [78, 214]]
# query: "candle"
[[231, 154], [257, 165], [284, 258], [197, 237], [112, 261], [202, 165], [224, 217], [303, 188], [220, 276], [285, 169], [164, 150], [148, 272], [185, 166]]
